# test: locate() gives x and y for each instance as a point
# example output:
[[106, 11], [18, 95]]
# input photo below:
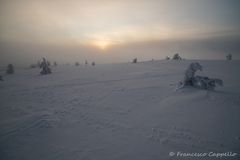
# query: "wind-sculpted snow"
[[118, 111]]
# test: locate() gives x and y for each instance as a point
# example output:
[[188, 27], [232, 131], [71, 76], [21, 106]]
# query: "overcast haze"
[[109, 31]]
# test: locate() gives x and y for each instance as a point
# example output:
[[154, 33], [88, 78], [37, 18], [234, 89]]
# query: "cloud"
[[158, 27]]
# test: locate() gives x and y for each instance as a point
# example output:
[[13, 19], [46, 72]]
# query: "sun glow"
[[102, 44]]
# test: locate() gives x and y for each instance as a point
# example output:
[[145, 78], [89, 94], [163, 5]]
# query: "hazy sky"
[[117, 30]]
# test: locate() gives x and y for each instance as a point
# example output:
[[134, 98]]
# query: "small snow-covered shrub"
[[33, 66], [206, 83], [93, 63], [229, 57], [55, 64], [167, 58], [134, 60], [77, 64], [45, 67], [10, 69], [49, 63]]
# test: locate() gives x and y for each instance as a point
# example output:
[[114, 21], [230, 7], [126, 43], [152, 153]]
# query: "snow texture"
[[118, 112]]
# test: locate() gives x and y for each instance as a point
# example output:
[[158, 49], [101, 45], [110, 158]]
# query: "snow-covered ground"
[[119, 112]]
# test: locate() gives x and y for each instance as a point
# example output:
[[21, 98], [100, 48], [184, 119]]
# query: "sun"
[[102, 44]]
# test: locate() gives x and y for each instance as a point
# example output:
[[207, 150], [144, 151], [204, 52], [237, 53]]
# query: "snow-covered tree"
[[190, 73], [48, 63], [198, 81], [229, 57], [10, 69], [167, 58], [134, 60], [45, 67], [176, 57], [77, 64], [55, 64]]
